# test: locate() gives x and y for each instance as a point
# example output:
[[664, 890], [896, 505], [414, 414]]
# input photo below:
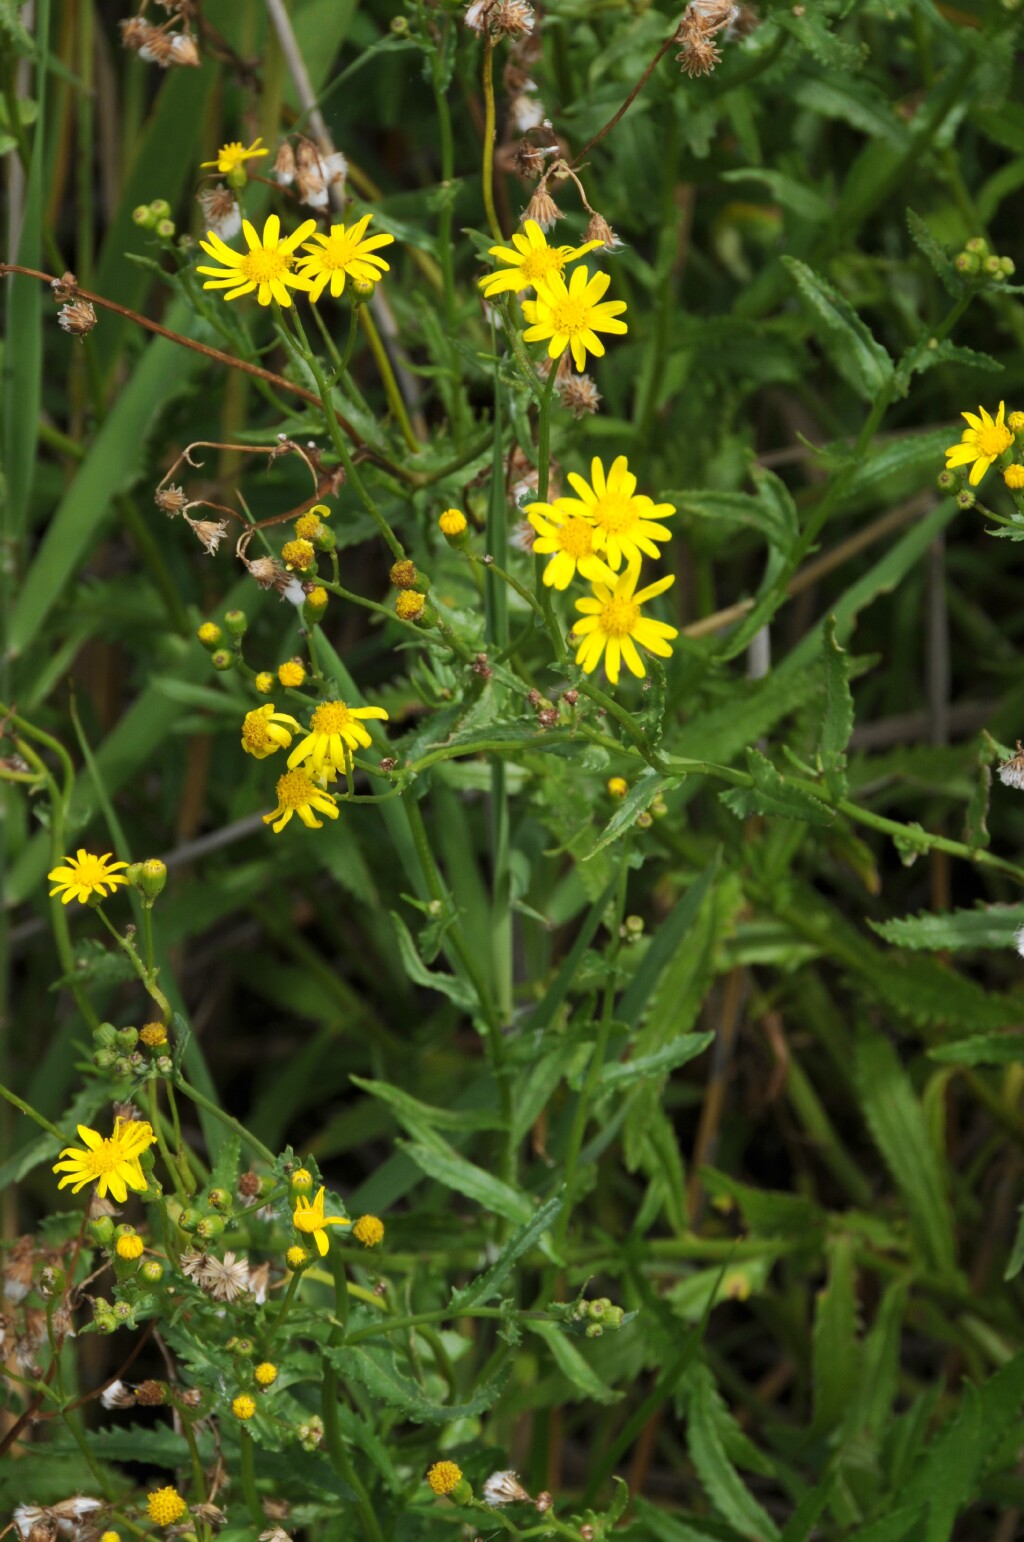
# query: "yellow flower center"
[[576, 538], [265, 264], [332, 717], [619, 618], [295, 790], [90, 871], [105, 1158], [570, 315], [308, 1220], [254, 732], [614, 514], [337, 252], [993, 441], [540, 261]]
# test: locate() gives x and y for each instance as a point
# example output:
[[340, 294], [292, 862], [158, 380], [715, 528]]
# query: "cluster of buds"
[[549, 713], [976, 261], [159, 45], [117, 1050], [155, 216], [697, 35], [312, 173], [311, 1433], [77, 315], [591, 1317]]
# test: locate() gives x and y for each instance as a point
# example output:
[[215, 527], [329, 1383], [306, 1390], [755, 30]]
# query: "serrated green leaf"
[[859, 358], [837, 720], [417, 1116], [457, 991], [572, 1364], [772, 794], [669, 1057], [923, 239], [488, 1284], [989, 926], [982, 1049], [723, 1485], [767, 1211], [444, 1164], [834, 1341], [639, 797], [375, 1369]]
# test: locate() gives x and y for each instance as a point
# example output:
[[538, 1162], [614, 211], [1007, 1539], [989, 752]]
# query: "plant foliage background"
[[739, 1053]]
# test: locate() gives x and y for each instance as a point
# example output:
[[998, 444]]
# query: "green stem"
[[202, 1101], [286, 1306], [247, 1470], [336, 1450], [488, 166], [543, 474], [147, 976], [388, 380], [32, 1113], [165, 1151]]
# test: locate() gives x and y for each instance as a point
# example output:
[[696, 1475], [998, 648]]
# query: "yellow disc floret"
[[1013, 476], [243, 1406], [409, 604], [444, 1476], [165, 1506], [209, 634], [618, 786], [265, 731], [153, 1035], [298, 554], [264, 682], [129, 1247], [452, 522], [335, 733], [369, 1230], [308, 527], [265, 1373], [296, 1257], [291, 674]]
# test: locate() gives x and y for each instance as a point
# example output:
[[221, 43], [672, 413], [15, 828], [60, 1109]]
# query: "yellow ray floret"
[[111, 1162], [335, 732], [265, 268], [571, 315], [265, 731], [569, 540], [981, 443], [85, 875], [530, 260], [308, 1217], [625, 521], [345, 252], [233, 155], [613, 621], [299, 794]]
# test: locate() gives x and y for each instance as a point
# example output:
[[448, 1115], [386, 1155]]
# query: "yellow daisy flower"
[[343, 253], [572, 315], [265, 267], [613, 622], [265, 731], [112, 1163], [623, 519], [981, 443], [233, 155], [308, 1217], [165, 1506], [85, 875], [335, 732], [297, 794], [532, 261], [569, 538]]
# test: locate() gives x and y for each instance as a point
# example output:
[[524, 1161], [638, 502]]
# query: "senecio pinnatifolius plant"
[[546, 1086]]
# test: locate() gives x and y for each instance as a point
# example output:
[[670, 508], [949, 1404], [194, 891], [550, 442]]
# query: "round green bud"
[[144, 216], [236, 622], [149, 878], [967, 262], [164, 1064], [241, 1346], [165, 229], [220, 1199], [105, 1322], [105, 1035], [101, 1229], [945, 481], [127, 1038], [103, 1059], [644, 820], [613, 1317], [222, 659], [978, 245], [160, 208], [1008, 266], [965, 499], [123, 1231], [152, 1271], [594, 1330], [122, 1066], [210, 634], [189, 1220], [994, 268], [399, 25], [122, 1311], [210, 1226]]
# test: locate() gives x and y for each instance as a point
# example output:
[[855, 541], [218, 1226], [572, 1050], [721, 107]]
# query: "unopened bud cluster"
[[975, 260]]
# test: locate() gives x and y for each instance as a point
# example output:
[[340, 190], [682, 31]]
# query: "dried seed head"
[[268, 573], [579, 394], [284, 164], [210, 532], [171, 500], [249, 1185], [19, 1269], [1011, 772], [543, 1502], [225, 1278], [221, 211], [117, 1395], [713, 14], [157, 47], [527, 160], [184, 50], [599, 230], [209, 1514], [522, 536], [503, 1488], [151, 1394], [542, 208], [64, 288], [698, 55], [316, 173], [134, 32], [188, 1397], [547, 717]]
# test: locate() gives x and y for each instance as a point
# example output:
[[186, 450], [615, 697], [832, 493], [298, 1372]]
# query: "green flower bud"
[[236, 622], [594, 1330], [122, 1066], [165, 229], [220, 1199], [104, 1059], [149, 878], [105, 1035], [210, 1226], [189, 1220], [127, 1038], [152, 1271], [977, 245], [101, 1229], [160, 208], [945, 481], [1008, 266], [222, 659], [144, 216]]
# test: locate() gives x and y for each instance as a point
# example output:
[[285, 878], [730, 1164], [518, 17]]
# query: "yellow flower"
[[571, 539], [299, 554], [265, 731], [243, 1406], [264, 682], [1015, 422], [617, 786], [296, 1257], [209, 634], [165, 1506], [344, 253], [266, 267], [296, 794], [623, 519], [308, 527], [129, 1247], [981, 443], [302, 1180], [409, 605], [335, 733], [308, 1217], [233, 155], [452, 522], [111, 1163], [532, 261], [111, 1536], [613, 622], [572, 315], [1013, 476], [292, 673], [369, 1230], [444, 1476], [84, 876], [153, 1035], [265, 1373]]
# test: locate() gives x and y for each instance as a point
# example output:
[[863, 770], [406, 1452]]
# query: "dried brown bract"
[[1011, 772], [579, 394], [209, 532], [171, 499], [221, 211], [77, 317], [542, 208]]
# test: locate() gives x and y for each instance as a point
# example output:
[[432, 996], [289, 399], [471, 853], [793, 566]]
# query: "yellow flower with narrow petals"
[[233, 155], [625, 521], [571, 315], [265, 268], [530, 260], [335, 733], [308, 1217], [165, 1506], [981, 443], [345, 252], [369, 1230], [111, 1162], [568, 538], [85, 875], [265, 731], [297, 794], [613, 622]]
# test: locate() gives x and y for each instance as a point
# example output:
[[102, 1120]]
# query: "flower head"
[[221, 211], [444, 1476], [452, 522], [571, 315], [153, 1035], [265, 731], [1013, 476], [530, 260], [503, 1488], [129, 1247], [308, 1217], [369, 1230], [981, 443], [346, 252], [233, 155], [264, 682], [298, 794], [568, 537], [111, 1162], [613, 622], [291, 674], [266, 267], [296, 1257], [410, 605], [265, 1373], [165, 1506], [335, 733], [85, 875], [624, 520], [243, 1406], [300, 553], [225, 1278], [617, 787]]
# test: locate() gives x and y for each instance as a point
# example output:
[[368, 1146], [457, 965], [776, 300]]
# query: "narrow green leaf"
[[489, 1283], [771, 794], [859, 358], [571, 1362], [414, 1114], [728, 1493], [375, 1369], [835, 1351], [444, 1164], [677, 1052], [457, 991], [982, 1049], [837, 722]]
